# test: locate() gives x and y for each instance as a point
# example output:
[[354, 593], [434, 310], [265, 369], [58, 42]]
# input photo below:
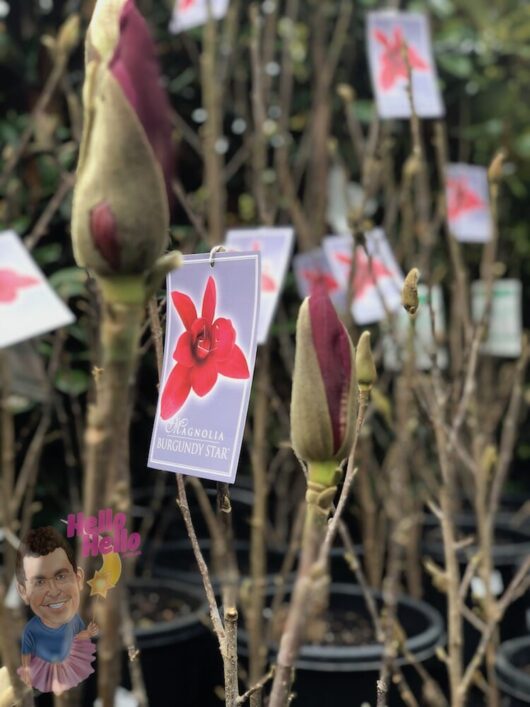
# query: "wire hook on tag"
[[216, 249]]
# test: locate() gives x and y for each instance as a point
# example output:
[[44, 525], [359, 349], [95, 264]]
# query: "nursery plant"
[[377, 452]]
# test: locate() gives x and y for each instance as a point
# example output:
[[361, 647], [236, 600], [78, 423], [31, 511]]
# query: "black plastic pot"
[[511, 547], [512, 667], [180, 658], [343, 676]]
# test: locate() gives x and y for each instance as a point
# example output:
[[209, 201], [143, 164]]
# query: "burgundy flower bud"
[[324, 391], [120, 216]]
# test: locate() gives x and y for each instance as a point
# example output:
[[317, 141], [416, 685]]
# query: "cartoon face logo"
[[11, 282], [206, 349], [461, 198], [52, 588], [392, 65]]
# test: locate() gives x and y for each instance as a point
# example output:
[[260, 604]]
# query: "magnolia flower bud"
[[104, 29], [364, 363], [120, 214], [323, 398], [409, 293]]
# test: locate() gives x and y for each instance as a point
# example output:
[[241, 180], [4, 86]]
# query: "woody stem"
[[321, 488]]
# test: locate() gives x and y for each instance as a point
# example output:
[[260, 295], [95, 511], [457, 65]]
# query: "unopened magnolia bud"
[[409, 293], [120, 212], [68, 36], [346, 92], [324, 392], [104, 29], [495, 168], [364, 363]]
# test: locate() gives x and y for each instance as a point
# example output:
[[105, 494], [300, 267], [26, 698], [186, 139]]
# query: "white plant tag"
[[395, 346], [504, 335], [194, 13], [468, 206], [28, 305]]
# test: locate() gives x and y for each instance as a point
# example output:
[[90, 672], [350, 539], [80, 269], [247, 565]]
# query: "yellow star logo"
[[99, 584]]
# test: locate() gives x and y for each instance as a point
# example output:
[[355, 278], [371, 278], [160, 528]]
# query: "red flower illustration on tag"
[[11, 282], [365, 277], [205, 350], [461, 198], [393, 67], [268, 283], [186, 4], [319, 281]]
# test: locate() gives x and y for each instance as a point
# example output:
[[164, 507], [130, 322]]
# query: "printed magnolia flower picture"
[[461, 198], [366, 273], [392, 64], [11, 282], [319, 280], [204, 351]]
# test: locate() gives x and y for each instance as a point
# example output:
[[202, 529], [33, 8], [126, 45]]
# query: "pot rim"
[[367, 657], [509, 676]]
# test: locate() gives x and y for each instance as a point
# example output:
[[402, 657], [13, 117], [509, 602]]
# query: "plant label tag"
[[377, 280], [478, 588], [389, 35], [345, 197], [312, 273], [209, 355], [28, 305], [275, 246], [27, 374], [468, 206], [504, 335], [194, 13], [395, 342]]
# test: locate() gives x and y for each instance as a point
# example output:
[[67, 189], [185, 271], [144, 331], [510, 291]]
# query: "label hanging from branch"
[[209, 356], [194, 13], [377, 278], [395, 341], [389, 35], [275, 246], [312, 273], [504, 331], [468, 206], [28, 305]]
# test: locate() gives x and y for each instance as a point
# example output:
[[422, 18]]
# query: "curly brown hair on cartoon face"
[[48, 578]]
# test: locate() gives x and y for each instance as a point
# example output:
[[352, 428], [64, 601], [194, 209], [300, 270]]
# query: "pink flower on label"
[[186, 4], [205, 350], [393, 67], [461, 198], [319, 281], [268, 283], [365, 276], [11, 282]]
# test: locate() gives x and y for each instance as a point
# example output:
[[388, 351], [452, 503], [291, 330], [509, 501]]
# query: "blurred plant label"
[[504, 334], [390, 34], [275, 246], [345, 197], [193, 13], [468, 207], [209, 354], [27, 374], [28, 305], [312, 273], [395, 339], [377, 278], [478, 587]]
